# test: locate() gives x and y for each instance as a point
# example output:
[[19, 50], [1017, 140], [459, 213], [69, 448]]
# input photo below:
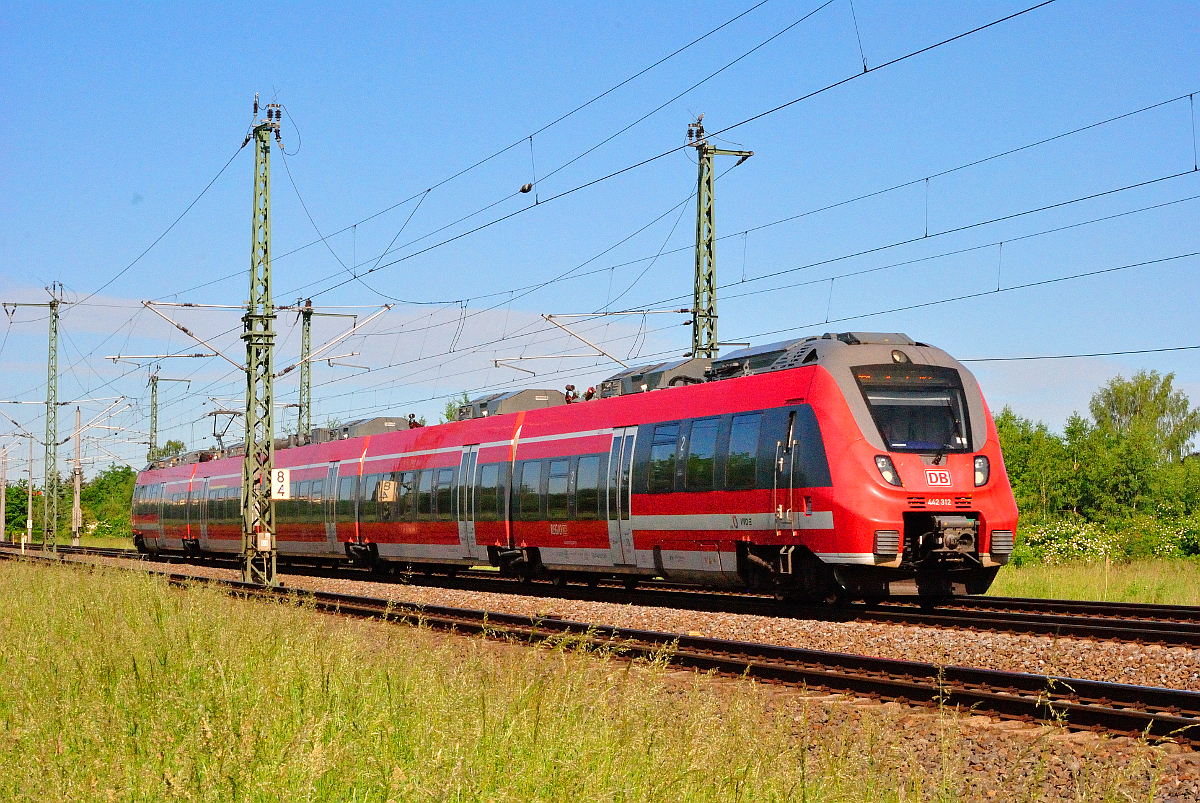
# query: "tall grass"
[[1164, 581], [115, 687]]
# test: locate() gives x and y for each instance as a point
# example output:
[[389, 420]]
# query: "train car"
[[856, 465]]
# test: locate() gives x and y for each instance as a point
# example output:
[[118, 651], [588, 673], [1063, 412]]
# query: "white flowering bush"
[[1056, 541], [1064, 541], [1158, 536]]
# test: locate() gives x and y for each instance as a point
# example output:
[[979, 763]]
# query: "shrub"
[[1062, 541]]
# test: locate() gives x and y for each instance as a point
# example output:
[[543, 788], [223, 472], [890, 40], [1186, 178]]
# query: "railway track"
[[1167, 625], [1077, 704]]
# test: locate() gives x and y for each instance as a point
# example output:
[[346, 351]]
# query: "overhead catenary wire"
[[651, 159], [954, 230], [166, 231], [817, 210], [982, 293], [484, 160], [1080, 356]]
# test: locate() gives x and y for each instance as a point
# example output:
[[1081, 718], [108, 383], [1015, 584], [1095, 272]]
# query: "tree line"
[[104, 502], [1123, 474]]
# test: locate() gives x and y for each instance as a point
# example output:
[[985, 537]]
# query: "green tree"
[[107, 496], [1037, 463], [168, 449], [450, 411], [1147, 407]]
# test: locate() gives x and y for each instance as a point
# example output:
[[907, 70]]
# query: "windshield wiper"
[[941, 452]]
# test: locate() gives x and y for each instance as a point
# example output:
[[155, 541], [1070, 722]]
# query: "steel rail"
[[1077, 704], [1124, 622]]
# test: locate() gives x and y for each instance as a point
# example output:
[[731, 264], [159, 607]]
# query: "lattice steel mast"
[[50, 484], [704, 300], [50, 477], [305, 412], [152, 454], [258, 510]]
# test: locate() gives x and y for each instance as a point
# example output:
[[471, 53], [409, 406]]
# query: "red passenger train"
[[858, 465]]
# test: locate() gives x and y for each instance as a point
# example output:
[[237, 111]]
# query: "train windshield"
[[917, 408]]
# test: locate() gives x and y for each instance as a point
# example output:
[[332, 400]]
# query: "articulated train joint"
[[523, 562], [365, 555]]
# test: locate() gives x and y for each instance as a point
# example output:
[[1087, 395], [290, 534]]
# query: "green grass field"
[[115, 687], [1168, 582], [85, 540]]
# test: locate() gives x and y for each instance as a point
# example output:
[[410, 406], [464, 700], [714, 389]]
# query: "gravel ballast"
[[1109, 661]]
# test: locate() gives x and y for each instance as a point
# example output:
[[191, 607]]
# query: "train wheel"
[[630, 583], [834, 598]]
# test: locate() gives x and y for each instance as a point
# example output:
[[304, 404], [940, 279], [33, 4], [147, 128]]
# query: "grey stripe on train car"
[[733, 522]]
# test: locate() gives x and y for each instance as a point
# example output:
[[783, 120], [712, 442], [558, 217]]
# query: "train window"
[[404, 506], [702, 455], [487, 495], [917, 408], [660, 477], [741, 464], [368, 505], [316, 503], [445, 494], [347, 490], [529, 490], [303, 505], [557, 499], [587, 488], [424, 485]]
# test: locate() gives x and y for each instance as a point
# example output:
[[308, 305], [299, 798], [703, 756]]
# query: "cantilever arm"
[[550, 318], [150, 306]]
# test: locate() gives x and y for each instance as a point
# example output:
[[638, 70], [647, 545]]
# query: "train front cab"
[[924, 506]]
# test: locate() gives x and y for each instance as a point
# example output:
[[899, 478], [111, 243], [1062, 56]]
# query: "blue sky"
[[118, 115]]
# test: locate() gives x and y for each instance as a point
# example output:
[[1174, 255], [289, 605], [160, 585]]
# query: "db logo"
[[937, 477]]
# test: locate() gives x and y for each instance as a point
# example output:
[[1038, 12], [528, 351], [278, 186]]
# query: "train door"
[[783, 494], [346, 507], [620, 496], [329, 506], [466, 500], [202, 532]]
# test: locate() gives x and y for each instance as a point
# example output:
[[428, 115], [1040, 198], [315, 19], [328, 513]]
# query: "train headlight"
[[887, 470], [983, 470]]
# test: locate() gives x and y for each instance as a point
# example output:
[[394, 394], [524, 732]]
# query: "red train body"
[[853, 465]]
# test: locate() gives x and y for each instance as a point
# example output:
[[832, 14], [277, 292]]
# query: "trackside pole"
[[258, 508], [704, 299], [28, 536], [4, 494], [77, 473]]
